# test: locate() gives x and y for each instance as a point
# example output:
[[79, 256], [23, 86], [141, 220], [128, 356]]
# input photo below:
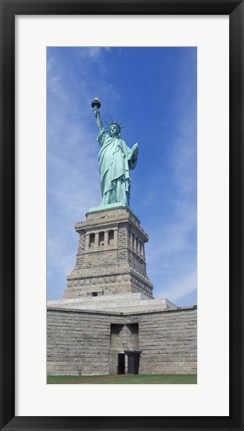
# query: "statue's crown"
[[116, 123]]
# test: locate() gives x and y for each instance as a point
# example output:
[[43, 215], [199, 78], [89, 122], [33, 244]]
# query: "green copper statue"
[[116, 159]]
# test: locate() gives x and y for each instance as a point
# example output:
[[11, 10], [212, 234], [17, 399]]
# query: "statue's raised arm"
[[116, 159]]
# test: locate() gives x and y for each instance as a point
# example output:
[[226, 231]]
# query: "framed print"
[[54, 56]]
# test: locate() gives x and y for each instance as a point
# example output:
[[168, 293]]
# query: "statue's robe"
[[115, 159]]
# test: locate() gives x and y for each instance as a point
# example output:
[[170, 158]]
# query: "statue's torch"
[[96, 103]]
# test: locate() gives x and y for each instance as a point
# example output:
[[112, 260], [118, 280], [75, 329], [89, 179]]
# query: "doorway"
[[123, 338], [121, 363], [133, 361]]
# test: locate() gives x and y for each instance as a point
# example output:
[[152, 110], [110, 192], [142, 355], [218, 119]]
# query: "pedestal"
[[111, 255]]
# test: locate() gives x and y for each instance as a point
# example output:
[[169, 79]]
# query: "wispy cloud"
[[181, 287], [73, 184], [94, 52]]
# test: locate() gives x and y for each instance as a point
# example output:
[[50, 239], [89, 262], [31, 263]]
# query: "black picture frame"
[[8, 10]]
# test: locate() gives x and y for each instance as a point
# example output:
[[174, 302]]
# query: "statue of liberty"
[[116, 160]]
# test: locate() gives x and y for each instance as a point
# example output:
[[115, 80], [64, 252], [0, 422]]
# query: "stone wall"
[[77, 343], [168, 341], [87, 343]]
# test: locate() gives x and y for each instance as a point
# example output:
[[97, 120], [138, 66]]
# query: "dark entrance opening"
[[133, 361], [121, 363]]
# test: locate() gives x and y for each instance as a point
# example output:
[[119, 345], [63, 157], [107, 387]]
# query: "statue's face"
[[114, 130]]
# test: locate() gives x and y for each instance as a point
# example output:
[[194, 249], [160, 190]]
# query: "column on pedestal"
[[87, 241], [106, 238]]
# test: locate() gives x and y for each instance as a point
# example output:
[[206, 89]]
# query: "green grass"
[[129, 379]]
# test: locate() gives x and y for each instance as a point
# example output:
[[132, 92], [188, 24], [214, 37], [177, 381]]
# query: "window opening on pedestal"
[[111, 237], [101, 238], [92, 240]]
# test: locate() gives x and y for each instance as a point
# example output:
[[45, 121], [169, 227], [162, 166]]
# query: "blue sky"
[[153, 92]]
